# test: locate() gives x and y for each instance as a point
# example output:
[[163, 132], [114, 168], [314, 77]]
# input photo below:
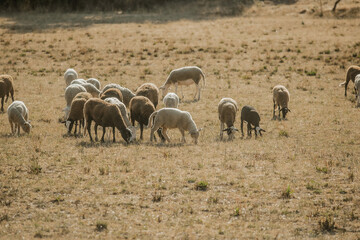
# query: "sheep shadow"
[[166, 145], [89, 144]]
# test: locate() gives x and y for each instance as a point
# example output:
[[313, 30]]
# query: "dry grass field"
[[299, 181]]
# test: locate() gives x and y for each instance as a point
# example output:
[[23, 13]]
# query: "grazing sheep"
[[84, 95], [350, 75], [171, 100], [70, 75], [281, 98], [18, 115], [227, 109], [70, 93], [112, 92], [184, 76], [9, 89], [357, 88], [91, 89], [150, 91], [168, 118], [140, 110], [78, 81], [2, 93], [105, 115], [94, 82], [124, 114], [126, 93], [76, 115], [252, 117]]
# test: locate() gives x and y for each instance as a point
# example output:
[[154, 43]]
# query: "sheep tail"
[[151, 119]]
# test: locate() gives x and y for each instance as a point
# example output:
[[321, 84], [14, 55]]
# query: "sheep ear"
[[236, 129], [289, 110], [263, 130]]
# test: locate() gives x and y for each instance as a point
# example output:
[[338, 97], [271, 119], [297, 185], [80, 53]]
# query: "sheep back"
[[281, 96], [150, 91], [19, 114], [184, 73]]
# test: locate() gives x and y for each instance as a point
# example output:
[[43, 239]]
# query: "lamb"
[[105, 115], [150, 91], [281, 98], [76, 115], [351, 73], [252, 117], [227, 109], [357, 88], [70, 93], [126, 93], [18, 115], [184, 76], [140, 110], [9, 89], [169, 118], [112, 92], [70, 75], [124, 114], [171, 100], [94, 82]]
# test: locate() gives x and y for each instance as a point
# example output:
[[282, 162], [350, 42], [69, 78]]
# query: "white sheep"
[[94, 82], [127, 93], [124, 114], [70, 93], [227, 109], [184, 76], [168, 118], [70, 75], [18, 115], [281, 98], [357, 88], [171, 100]]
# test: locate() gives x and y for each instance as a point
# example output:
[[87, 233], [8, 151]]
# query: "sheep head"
[[285, 110], [26, 127], [195, 135], [231, 131], [127, 135], [259, 130]]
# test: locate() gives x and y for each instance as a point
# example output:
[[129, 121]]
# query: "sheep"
[[9, 89], [2, 93], [281, 98], [91, 89], [351, 73], [94, 82], [169, 118], [140, 110], [112, 92], [124, 114], [84, 95], [227, 109], [70, 93], [105, 115], [252, 117], [76, 115], [18, 115], [171, 100], [70, 75], [184, 76], [126, 93], [150, 91], [357, 88], [78, 81]]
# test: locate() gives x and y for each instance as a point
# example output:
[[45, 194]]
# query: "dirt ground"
[[299, 181]]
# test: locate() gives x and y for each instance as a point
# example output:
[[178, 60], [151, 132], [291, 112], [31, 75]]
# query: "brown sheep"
[[105, 115], [351, 73], [76, 115], [150, 91], [9, 81], [112, 92]]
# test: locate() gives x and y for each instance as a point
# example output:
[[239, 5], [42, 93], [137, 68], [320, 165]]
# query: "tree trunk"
[[336, 3]]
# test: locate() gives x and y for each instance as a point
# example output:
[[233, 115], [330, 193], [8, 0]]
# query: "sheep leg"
[[279, 112], [176, 85], [70, 127], [18, 127], [159, 132], [95, 128], [113, 134], [241, 125], [164, 132], [12, 94], [197, 92], [12, 127], [88, 126], [141, 131], [182, 92], [2, 104], [274, 117], [221, 130], [102, 138], [249, 129], [75, 130], [183, 135]]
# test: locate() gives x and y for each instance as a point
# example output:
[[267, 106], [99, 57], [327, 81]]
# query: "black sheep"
[[252, 117]]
